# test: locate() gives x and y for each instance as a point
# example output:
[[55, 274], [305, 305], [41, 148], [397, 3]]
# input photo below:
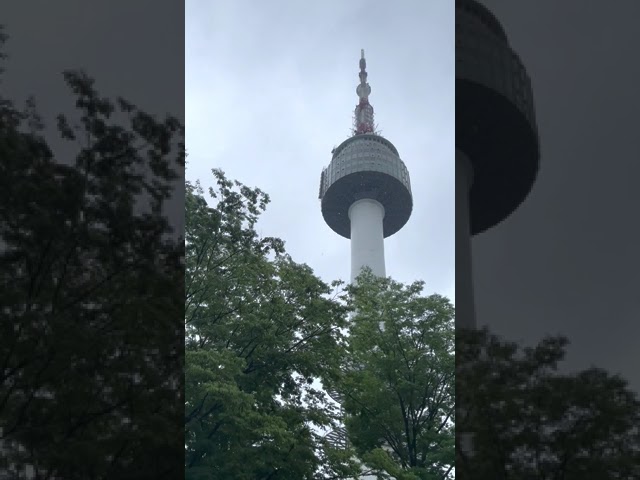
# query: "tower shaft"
[[465, 305], [367, 237]]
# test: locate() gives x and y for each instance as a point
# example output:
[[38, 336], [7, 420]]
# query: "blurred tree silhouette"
[[533, 423], [91, 343]]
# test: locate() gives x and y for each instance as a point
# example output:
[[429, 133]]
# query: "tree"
[[260, 329], [398, 380], [530, 422], [90, 356]]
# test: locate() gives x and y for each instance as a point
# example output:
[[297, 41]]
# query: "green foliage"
[[533, 423], [91, 349], [260, 328], [398, 379]]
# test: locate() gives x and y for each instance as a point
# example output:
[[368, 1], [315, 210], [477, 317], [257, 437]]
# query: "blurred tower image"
[[365, 191], [497, 150], [497, 147]]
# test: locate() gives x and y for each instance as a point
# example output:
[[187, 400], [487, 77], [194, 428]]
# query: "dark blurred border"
[[564, 266], [133, 50]]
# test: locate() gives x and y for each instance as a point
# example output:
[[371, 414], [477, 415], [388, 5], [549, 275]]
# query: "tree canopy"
[[398, 379], [265, 337], [260, 330]]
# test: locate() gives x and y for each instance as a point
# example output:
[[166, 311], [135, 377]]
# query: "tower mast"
[[365, 195]]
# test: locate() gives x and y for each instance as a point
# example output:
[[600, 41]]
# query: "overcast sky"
[[568, 260], [270, 90]]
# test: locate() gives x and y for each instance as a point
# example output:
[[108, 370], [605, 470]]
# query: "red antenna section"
[[363, 115]]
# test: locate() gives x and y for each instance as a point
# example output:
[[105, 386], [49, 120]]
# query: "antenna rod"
[[363, 115]]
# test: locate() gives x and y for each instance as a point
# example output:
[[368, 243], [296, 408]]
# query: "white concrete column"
[[367, 238], [465, 305]]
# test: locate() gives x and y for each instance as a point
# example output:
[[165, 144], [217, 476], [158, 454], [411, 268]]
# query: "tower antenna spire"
[[363, 114]]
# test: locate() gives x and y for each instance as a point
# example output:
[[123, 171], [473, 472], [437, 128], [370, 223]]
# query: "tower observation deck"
[[365, 191]]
